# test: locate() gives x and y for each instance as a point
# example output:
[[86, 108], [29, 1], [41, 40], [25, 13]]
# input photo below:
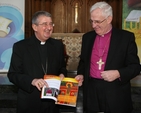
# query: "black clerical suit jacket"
[[26, 66], [122, 56]]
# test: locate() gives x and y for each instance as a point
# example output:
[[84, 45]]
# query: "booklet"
[[64, 92]]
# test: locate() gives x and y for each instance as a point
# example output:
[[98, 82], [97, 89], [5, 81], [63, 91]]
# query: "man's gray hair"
[[106, 8], [38, 14]]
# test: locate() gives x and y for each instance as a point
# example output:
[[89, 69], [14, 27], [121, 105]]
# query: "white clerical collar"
[[42, 43], [106, 33]]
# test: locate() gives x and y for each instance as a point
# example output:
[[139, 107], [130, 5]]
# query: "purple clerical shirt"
[[99, 50]]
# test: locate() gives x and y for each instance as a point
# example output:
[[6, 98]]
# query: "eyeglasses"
[[97, 22], [45, 24]]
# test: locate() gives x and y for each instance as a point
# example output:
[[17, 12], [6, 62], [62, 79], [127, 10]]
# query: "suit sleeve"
[[132, 63], [15, 73]]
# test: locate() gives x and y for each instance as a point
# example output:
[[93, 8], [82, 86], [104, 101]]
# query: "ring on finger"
[[39, 84]]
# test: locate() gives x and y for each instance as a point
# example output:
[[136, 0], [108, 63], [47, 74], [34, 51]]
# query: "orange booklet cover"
[[64, 92]]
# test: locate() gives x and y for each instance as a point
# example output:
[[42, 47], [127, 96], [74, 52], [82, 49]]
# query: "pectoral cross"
[[100, 63]]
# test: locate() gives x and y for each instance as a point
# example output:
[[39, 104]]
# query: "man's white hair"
[[106, 8]]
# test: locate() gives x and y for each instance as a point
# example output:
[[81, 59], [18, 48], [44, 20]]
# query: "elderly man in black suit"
[[108, 62]]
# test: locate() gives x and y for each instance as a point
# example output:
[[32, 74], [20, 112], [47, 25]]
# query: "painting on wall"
[[131, 19], [11, 29]]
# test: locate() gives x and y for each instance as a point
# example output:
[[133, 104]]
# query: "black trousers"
[[96, 112], [97, 101], [48, 106], [107, 97]]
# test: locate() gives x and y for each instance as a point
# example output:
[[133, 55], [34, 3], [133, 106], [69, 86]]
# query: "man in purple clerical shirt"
[[108, 62]]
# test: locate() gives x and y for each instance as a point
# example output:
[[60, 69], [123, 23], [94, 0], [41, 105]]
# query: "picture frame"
[[11, 29]]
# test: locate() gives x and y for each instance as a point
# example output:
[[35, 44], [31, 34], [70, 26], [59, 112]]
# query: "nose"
[[94, 24], [49, 27]]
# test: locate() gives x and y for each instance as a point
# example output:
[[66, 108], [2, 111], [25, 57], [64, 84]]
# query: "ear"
[[110, 18], [34, 27]]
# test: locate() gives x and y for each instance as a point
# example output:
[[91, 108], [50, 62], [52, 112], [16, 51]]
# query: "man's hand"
[[39, 83], [80, 79], [110, 75], [61, 76]]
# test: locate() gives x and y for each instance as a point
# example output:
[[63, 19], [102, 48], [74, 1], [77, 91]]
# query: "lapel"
[[35, 54], [114, 43], [50, 50], [34, 51], [91, 43], [88, 48]]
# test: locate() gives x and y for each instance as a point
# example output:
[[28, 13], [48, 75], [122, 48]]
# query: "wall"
[[65, 13]]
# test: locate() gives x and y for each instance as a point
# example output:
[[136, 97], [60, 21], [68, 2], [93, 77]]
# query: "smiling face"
[[44, 28], [100, 23]]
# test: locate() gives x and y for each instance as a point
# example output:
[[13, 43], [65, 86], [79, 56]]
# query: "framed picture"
[[11, 29], [131, 19]]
